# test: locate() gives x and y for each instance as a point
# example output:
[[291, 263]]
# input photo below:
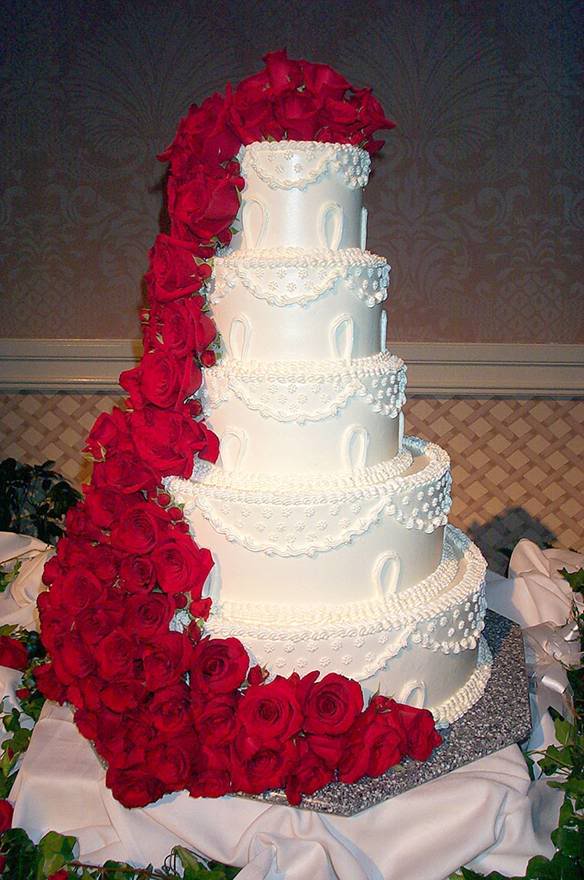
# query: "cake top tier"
[[297, 164], [302, 194]]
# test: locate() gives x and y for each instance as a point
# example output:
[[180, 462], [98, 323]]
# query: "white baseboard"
[[436, 368]]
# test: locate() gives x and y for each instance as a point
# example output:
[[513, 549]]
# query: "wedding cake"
[[328, 527]]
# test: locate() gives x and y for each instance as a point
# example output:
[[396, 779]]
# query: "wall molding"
[[437, 368]]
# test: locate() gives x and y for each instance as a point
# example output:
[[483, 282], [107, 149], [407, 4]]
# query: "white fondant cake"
[[328, 528]]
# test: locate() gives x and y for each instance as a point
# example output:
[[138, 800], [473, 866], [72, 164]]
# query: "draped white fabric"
[[487, 814]]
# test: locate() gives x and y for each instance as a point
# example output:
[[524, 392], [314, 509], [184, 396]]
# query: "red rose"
[[61, 874], [328, 748], [168, 441], [77, 589], [48, 683], [161, 379], [421, 733], [177, 269], [121, 695], [134, 787], [103, 505], [219, 666], [171, 710], [216, 718], [252, 113], [96, 622], [116, 654], [51, 570], [376, 742], [166, 660], [79, 524], [284, 74], [109, 432], [137, 574], [148, 614], [298, 114], [123, 472], [140, 529], [308, 774], [204, 134], [181, 567], [211, 775], [270, 711], [331, 705], [182, 328], [258, 766], [6, 811], [324, 82], [171, 762], [13, 653], [72, 659], [104, 562], [206, 205]]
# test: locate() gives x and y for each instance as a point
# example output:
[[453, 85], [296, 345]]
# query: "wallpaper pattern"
[[476, 201], [517, 465]]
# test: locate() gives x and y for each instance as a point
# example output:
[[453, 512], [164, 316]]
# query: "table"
[[488, 814]]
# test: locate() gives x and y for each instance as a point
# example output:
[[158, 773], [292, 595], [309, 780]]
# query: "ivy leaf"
[[575, 579], [20, 853], [564, 730], [55, 851], [561, 867]]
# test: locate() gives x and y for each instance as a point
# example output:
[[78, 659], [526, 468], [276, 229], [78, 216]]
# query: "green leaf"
[[564, 731], [55, 851], [575, 579]]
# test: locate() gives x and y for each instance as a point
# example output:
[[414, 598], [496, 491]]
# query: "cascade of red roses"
[[123, 620]]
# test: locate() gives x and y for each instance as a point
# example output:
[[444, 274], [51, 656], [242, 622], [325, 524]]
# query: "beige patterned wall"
[[477, 199], [518, 465]]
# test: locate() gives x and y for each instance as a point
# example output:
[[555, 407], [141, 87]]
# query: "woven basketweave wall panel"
[[517, 465]]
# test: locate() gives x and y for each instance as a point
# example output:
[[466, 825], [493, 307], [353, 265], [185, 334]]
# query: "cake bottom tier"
[[422, 646]]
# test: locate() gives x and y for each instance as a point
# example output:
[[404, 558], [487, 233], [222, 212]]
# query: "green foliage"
[[28, 861], [18, 722], [34, 500], [7, 577]]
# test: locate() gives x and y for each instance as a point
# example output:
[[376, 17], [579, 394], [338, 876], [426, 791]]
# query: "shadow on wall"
[[497, 538]]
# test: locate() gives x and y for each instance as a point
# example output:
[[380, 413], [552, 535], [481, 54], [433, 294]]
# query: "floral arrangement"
[[123, 621]]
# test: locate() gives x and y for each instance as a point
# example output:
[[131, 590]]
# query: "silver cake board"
[[500, 718]]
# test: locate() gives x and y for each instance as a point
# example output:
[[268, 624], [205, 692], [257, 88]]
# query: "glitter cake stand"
[[500, 718]]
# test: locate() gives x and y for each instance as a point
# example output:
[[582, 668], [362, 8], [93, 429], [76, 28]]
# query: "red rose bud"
[[175, 513], [13, 653], [196, 408], [163, 499], [6, 811], [257, 675], [22, 693], [194, 632], [208, 358], [201, 608]]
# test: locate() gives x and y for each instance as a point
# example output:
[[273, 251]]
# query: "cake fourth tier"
[[327, 528]]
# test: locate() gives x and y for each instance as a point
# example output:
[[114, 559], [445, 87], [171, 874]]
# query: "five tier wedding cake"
[[328, 527]]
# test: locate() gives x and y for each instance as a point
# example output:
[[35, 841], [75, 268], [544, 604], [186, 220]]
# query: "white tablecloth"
[[487, 814]]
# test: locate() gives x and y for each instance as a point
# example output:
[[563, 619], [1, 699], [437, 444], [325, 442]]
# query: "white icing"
[[294, 276], [307, 391], [299, 164], [300, 194]]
